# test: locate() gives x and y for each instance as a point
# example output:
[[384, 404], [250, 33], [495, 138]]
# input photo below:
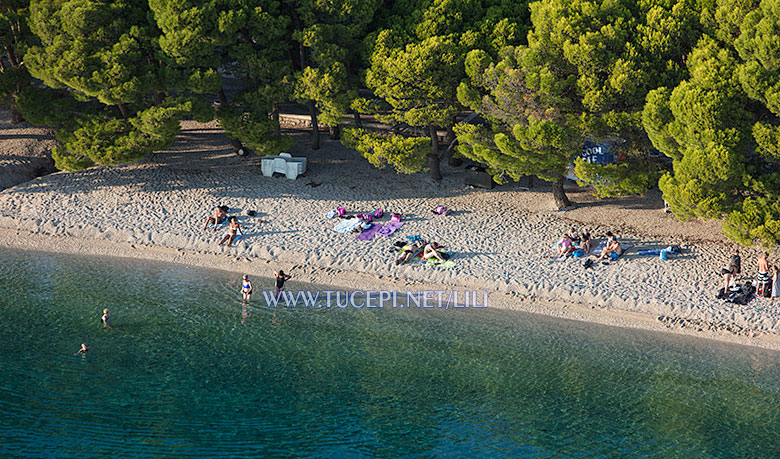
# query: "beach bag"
[[379, 213], [340, 211], [438, 210], [365, 216], [395, 218], [331, 214]]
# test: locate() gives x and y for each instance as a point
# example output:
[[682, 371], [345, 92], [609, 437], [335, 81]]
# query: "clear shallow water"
[[188, 372]]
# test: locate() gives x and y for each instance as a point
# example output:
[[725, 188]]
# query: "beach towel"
[[439, 263], [220, 225], [600, 247], [347, 226], [389, 228], [367, 234]]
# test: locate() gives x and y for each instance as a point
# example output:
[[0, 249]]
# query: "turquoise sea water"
[[188, 372]]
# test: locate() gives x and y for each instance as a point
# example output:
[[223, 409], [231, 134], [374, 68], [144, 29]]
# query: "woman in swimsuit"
[[613, 246], [246, 288], [220, 214], [280, 278], [233, 229]]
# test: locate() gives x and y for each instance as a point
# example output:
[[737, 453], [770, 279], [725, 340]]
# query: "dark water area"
[[188, 371]]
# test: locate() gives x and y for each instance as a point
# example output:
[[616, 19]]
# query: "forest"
[[697, 81]]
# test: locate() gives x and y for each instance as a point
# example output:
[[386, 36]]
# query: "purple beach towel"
[[390, 228], [367, 234]]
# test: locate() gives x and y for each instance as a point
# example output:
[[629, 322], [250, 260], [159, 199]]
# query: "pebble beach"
[[502, 239]]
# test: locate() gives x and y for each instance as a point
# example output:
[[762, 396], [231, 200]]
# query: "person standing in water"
[[83, 350], [104, 319], [246, 288], [281, 277]]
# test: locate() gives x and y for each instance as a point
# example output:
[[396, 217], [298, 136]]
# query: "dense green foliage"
[[721, 124], [698, 80], [583, 75], [418, 61]]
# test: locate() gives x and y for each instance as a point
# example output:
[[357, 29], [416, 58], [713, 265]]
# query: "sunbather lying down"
[[407, 252]]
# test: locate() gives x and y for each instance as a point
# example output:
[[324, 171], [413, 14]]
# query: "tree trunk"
[[123, 110], [16, 115], [315, 127], [559, 194], [159, 97], [433, 156], [358, 121], [275, 117], [234, 143]]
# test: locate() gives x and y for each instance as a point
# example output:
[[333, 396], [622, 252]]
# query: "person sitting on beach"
[[104, 319], [585, 240], [407, 252], [731, 272], [232, 231], [83, 350], [573, 235], [431, 252], [613, 246], [220, 215], [281, 277], [565, 246]]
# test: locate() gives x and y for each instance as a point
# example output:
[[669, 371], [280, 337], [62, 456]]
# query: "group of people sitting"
[[218, 219], [580, 240], [430, 251]]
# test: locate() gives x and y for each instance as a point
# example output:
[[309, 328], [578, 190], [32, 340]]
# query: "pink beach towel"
[[367, 234], [389, 228]]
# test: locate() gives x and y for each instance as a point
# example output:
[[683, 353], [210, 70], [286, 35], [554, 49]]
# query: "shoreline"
[[502, 238], [20, 240]]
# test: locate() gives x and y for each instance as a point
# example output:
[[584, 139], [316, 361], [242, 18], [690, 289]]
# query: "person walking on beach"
[[281, 277], [232, 231], [220, 215], [104, 319], [731, 272], [246, 288], [83, 350]]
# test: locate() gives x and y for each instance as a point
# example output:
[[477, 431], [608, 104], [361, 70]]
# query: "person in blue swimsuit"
[[246, 288]]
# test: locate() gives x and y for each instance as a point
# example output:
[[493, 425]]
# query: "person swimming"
[[104, 319], [246, 288], [83, 350]]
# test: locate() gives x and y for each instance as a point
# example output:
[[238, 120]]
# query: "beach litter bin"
[[478, 176]]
